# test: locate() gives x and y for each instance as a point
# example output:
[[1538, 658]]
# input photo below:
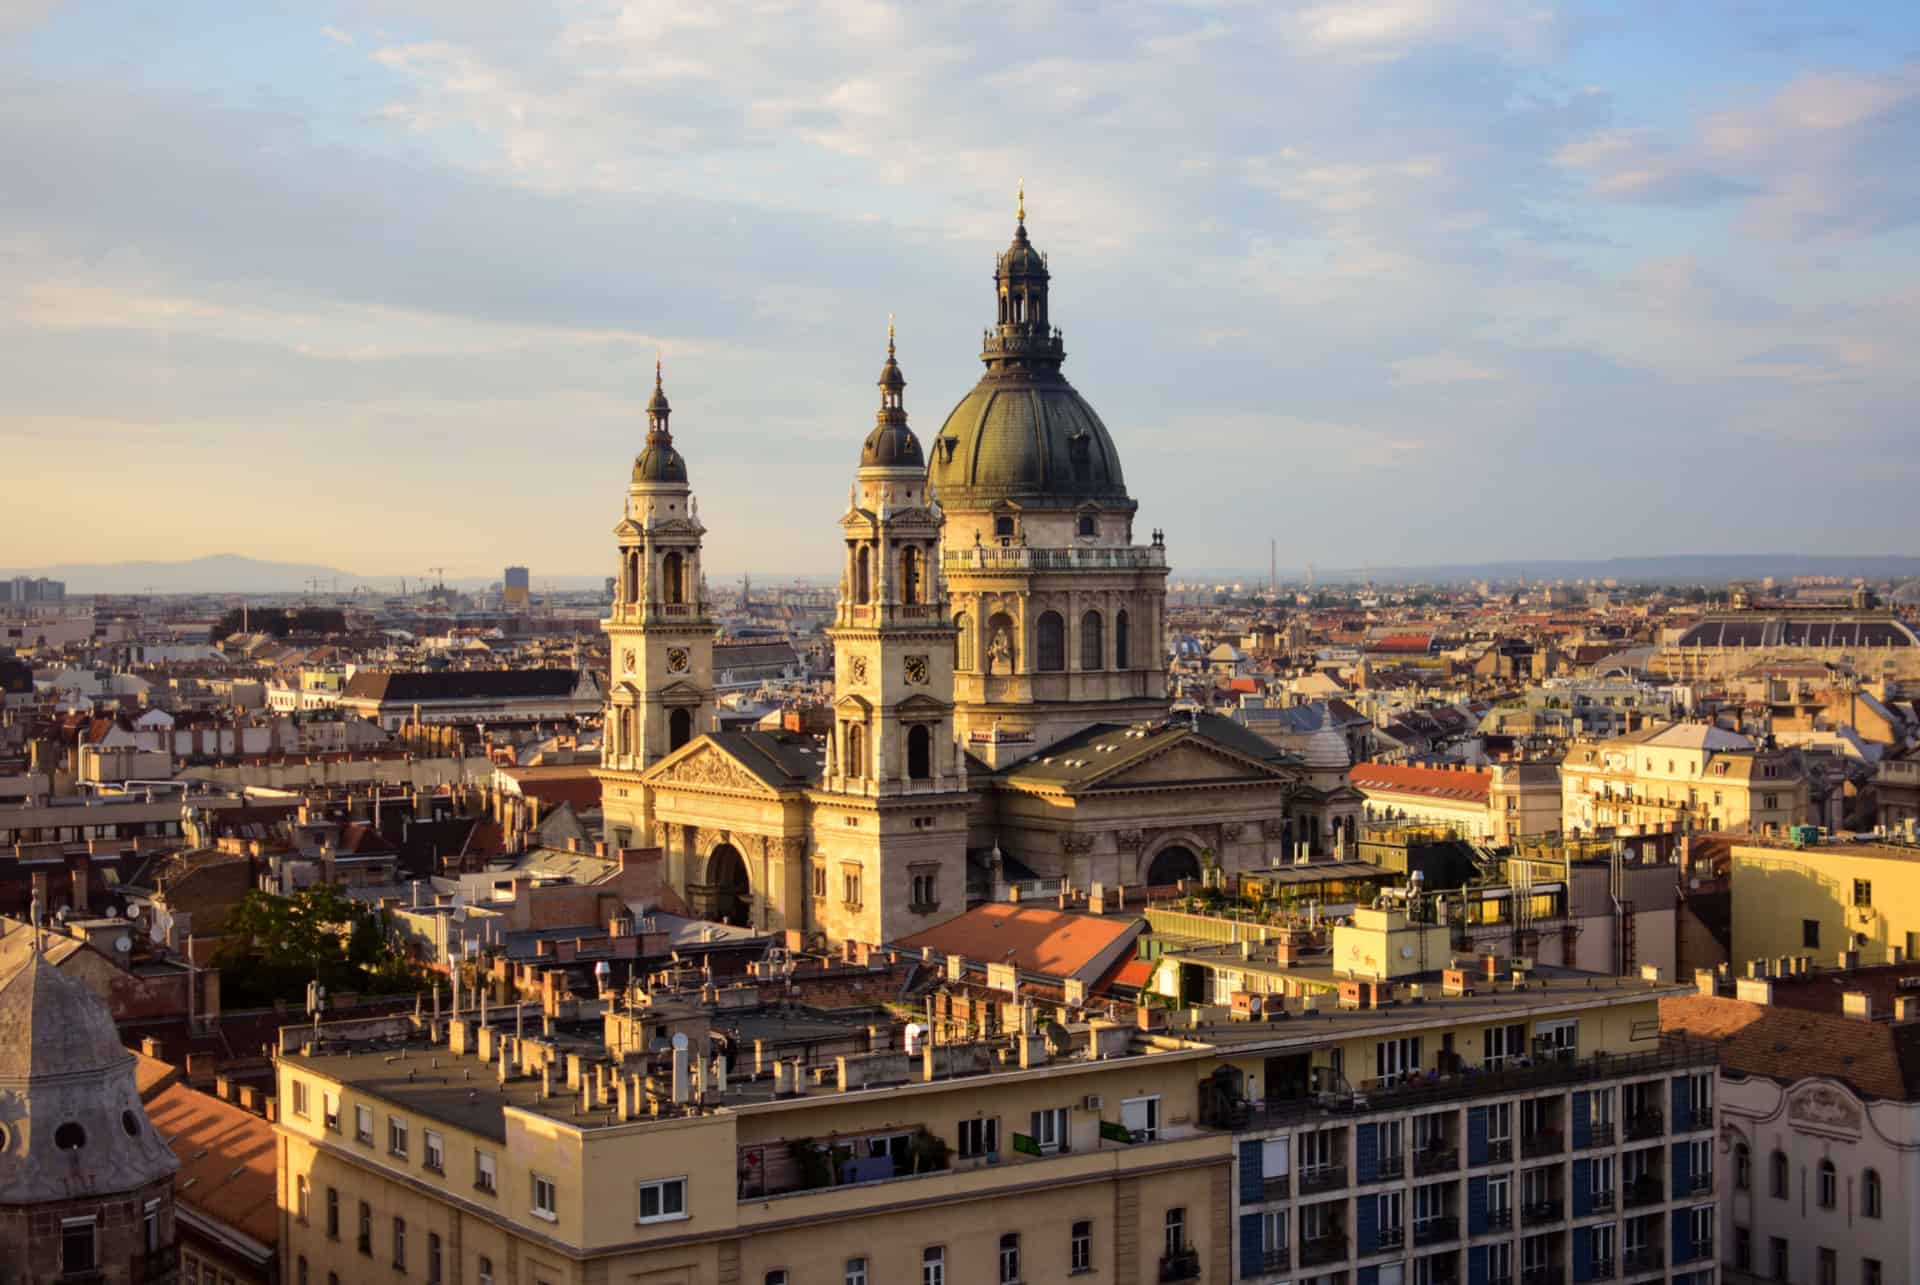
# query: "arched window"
[[963, 642], [679, 728], [856, 764], [910, 559], [1777, 1175], [863, 575], [672, 579], [1870, 1193], [1120, 640], [1050, 642], [1742, 1167], [1093, 643], [1829, 1188], [919, 752]]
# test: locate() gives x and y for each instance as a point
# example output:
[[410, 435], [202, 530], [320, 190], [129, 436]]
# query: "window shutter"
[[1253, 1255], [1252, 1175], [1476, 1135]]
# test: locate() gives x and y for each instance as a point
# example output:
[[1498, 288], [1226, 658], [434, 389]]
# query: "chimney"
[[1849, 959], [150, 1047], [82, 877], [1857, 1004], [1757, 989], [1906, 1008], [681, 1090], [1705, 982]]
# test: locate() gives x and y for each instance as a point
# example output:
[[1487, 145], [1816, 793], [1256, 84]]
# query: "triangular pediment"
[[920, 703], [682, 692], [702, 765], [627, 529], [1193, 759], [1114, 762]]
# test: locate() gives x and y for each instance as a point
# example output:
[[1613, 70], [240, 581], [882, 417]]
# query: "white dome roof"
[[1326, 749]]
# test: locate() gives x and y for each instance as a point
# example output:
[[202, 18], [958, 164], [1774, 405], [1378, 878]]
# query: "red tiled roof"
[[1052, 943], [1875, 1059], [1402, 642], [1132, 973], [226, 1158], [1473, 786]]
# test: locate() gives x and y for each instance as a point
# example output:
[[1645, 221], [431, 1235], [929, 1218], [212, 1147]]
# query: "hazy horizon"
[[381, 286]]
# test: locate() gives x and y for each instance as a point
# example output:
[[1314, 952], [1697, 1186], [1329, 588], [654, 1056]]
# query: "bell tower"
[[894, 783], [660, 632]]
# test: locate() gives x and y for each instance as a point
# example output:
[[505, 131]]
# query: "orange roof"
[[1051, 943], [1474, 786], [1133, 973], [226, 1159]]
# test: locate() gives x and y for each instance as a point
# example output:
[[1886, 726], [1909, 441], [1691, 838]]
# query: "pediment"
[[1190, 759], [702, 765], [682, 692], [920, 703], [853, 700], [627, 529]]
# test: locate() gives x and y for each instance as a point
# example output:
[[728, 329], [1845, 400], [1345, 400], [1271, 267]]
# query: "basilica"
[[1000, 710]]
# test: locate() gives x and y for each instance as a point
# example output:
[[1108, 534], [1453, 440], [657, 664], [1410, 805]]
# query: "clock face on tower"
[[630, 659], [916, 669], [677, 660]]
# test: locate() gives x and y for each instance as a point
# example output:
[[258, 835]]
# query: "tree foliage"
[[275, 945]]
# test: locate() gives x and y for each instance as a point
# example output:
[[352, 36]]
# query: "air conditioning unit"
[[1092, 1102]]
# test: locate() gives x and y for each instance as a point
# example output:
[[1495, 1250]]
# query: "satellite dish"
[[123, 944], [679, 1042], [113, 912], [1406, 952], [156, 932]]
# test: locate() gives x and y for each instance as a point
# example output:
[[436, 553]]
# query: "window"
[[400, 1244], [1010, 1258], [1120, 640], [664, 1200], [856, 1272], [485, 1271], [79, 1247], [1176, 1230], [1557, 1041], [926, 889], [1602, 1243], [1829, 1185], [1500, 1196], [364, 1241], [778, 1276], [850, 885], [1862, 891], [1700, 1221], [1391, 1216], [301, 1106], [1742, 1167], [1870, 1193], [1505, 1042], [300, 1272], [919, 753], [544, 1198], [330, 1111], [1080, 1248], [433, 1258], [1743, 1249], [1829, 1273], [1141, 1116], [1777, 1175], [1499, 1126], [1870, 1271], [483, 1176], [1050, 642], [1088, 525], [363, 1124], [1700, 1164], [333, 1214], [820, 881], [933, 1265], [397, 1136], [1093, 643], [300, 1195], [433, 1151], [1778, 1257], [1003, 524], [1396, 1058], [1700, 1099], [1810, 933], [980, 1137], [1050, 1129]]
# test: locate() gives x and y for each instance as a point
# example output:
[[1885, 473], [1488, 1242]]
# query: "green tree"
[[275, 945]]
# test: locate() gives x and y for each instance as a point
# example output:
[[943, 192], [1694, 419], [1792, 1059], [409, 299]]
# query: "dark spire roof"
[[1023, 432], [891, 444], [659, 462]]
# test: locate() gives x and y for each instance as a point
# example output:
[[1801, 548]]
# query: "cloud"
[[335, 34]]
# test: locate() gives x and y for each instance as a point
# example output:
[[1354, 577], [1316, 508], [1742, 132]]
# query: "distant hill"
[[216, 573], [1679, 569]]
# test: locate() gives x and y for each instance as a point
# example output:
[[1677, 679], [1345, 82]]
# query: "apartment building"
[[1480, 1123], [1692, 776], [1826, 897], [706, 1137]]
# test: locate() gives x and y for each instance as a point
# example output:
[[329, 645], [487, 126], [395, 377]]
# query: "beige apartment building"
[[1826, 899], [624, 1147], [1690, 776]]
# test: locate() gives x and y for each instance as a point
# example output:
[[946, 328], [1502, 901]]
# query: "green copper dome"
[[1024, 433], [891, 444], [658, 461]]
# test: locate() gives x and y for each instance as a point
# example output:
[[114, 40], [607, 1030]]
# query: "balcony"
[[1600, 1202], [1647, 1124], [1600, 1134], [1499, 1219], [1699, 1184], [1389, 1238], [1547, 1142], [1321, 1250], [1435, 1230], [993, 558], [1603, 1269], [1390, 1168], [1647, 1258], [1552, 1274], [1182, 1265], [1277, 1188], [1543, 1211], [1273, 1260], [1435, 1160], [1674, 1053], [1499, 1150], [1325, 1178], [1642, 1191]]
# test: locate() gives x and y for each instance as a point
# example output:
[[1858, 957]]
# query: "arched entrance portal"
[[1171, 865], [725, 895]]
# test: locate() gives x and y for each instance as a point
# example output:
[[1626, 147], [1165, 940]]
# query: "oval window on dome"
[[70, 1136], [131, 1123]]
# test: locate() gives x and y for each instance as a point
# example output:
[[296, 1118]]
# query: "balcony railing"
[[1674, 1053], [1545, 1142], [1647, 1258], [1390, 1238], [1323, 1249], [1274, 1260], [1389, 1168], [1549, 1275], [994, 558], [1602, 1269], [1499, 1219], [1435, 1160], [1600, 1135], [1276, 1188], [1647, 1124], [1499, 1150], [1325, 1178], [1600, 1202], [1543, 1211], [1642, 1191], [1182, 1265], [1434, 1230], [1699, 1184]]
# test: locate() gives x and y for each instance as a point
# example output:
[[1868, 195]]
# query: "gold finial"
[[889, 334], [1020, 211], [656, 368]]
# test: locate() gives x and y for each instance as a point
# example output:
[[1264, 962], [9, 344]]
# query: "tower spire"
[[1020, 208]]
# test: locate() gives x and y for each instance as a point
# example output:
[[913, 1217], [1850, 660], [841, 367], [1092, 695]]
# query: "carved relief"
[[712, 769], [1076, 844], [1229, 831], [1825, 1107], [1273, 828], [1129, 840], [793, 847]]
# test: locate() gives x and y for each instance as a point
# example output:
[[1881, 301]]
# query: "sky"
[[381, 285]]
